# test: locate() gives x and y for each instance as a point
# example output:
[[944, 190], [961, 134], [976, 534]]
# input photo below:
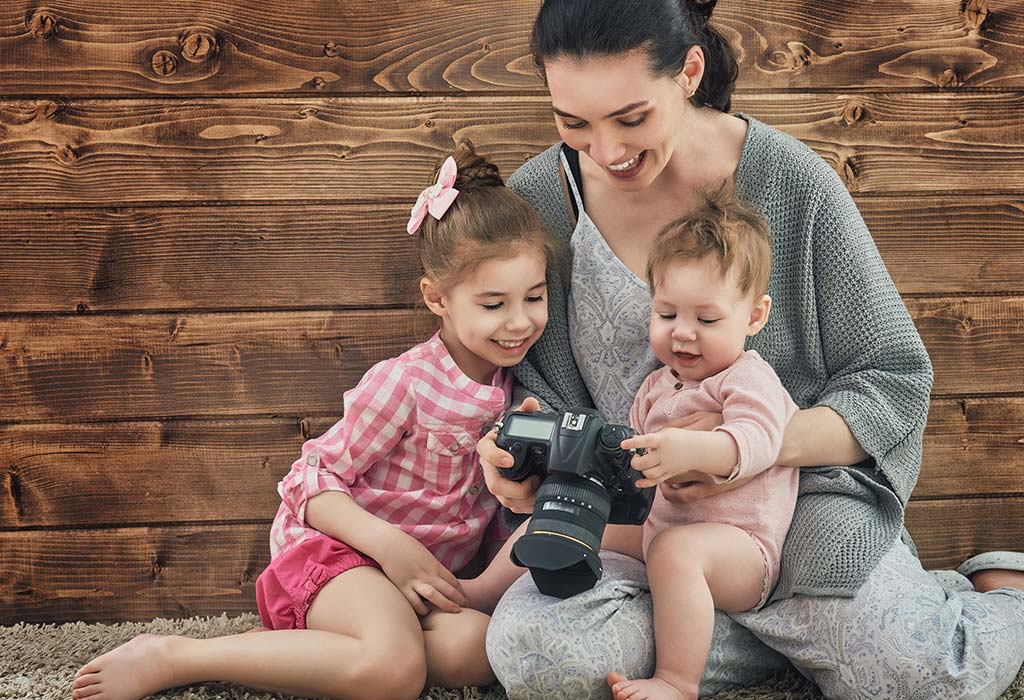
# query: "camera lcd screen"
[[530, 427]]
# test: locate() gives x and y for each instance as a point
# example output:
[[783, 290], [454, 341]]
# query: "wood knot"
[[967, 325], [429, 123], [42, 25], [949, 79], [307, 112], [975, 13], [849, 173], [67, 155], [47, 109], [197, 46], [318, 83], [798, 56], [853, 113], [332, 50], [164, 63], [304, 428], [81, 308]]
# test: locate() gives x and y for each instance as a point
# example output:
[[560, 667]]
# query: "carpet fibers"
[[38, 662]]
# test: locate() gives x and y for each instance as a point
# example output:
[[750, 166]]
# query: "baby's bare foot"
[[129, 672], [645, 689], [991, 579]]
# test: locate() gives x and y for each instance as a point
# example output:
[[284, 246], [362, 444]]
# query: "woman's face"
[[613, 109]]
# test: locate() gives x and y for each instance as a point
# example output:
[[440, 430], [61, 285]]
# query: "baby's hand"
[[666, 456]]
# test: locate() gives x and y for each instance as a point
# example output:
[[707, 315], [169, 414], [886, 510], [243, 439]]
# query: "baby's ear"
[[759, 314], [433, 297]]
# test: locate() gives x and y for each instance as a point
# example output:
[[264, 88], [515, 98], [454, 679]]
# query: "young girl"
[[708, 276], [359, 600]]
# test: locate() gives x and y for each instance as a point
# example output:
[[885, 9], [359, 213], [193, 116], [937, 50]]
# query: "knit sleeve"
[[377, 413], [879, 373]]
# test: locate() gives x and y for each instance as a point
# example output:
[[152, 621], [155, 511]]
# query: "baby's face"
[[700, 320]]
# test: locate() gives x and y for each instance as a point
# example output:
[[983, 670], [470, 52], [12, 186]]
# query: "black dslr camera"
[[588, 483]]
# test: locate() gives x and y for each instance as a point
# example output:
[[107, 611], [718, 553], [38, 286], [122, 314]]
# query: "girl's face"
[[491, 319], [700, 320], [613, 109]]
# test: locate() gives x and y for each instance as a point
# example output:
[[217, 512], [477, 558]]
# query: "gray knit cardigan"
[[839, 336]]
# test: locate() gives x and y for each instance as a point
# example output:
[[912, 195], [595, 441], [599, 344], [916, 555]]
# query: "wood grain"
[[279, 257], [357, 255], [946, 532], [195, 48], [130, 574], [116, 152], [975, 343], [192, 471], [74, 368]]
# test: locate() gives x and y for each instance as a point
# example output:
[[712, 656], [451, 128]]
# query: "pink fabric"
[[756, 409], [435, 199], [406, 452], [286, 588]]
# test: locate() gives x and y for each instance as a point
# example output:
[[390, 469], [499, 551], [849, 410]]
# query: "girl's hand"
[[420, 576], [517, 496], [668, 456]]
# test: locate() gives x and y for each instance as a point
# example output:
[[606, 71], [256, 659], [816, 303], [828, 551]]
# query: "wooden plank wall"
[[201, 248]]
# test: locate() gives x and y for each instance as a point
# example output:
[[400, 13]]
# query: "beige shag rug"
[[38, 662]]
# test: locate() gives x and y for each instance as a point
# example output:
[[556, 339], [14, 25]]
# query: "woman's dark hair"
[[665, 29]]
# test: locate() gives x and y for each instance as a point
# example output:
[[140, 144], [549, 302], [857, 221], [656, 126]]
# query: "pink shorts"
[[286, 588]]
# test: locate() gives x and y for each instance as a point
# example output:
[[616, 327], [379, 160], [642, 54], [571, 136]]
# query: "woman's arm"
[[816, 436]]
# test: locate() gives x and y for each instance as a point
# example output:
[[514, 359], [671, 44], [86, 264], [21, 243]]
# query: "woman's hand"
[[419, 575], [517, 496]]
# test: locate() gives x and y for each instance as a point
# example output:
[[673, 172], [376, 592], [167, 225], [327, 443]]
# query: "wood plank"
[[341, 256], [74, 368], [93, 367], [197, 258], [82, 48], [103, 153], [130, 574], [139, 573], [946, 532], [973, 447], [186, 471], [976, 344]]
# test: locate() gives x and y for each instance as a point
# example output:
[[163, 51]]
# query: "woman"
[[640, 92]]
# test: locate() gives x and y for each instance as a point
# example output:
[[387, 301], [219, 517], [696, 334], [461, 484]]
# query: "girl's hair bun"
[[474, 169]]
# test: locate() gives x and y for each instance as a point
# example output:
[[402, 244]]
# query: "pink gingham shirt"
[[406, 452]]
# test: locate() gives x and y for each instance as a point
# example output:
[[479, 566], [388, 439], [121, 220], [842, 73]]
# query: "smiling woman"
[[640, 93]]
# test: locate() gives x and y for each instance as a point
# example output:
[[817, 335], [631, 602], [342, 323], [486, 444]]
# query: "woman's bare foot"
[[129, 672], [645, 689], [991, 579]]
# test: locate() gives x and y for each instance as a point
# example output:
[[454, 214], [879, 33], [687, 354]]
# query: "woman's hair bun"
[[701, 9], [474, 169]]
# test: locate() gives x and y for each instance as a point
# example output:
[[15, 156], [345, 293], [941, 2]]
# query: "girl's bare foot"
[[990, 579], [645, 689], [129, 672]]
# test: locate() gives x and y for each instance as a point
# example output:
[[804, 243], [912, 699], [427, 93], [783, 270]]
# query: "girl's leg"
[[907, 635], [455, 648], [693, 569], [363, 641]]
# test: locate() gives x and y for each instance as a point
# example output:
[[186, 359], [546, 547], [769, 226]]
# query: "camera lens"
[[562, 542]]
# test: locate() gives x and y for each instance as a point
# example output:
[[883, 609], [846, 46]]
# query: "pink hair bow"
[[437, 198]]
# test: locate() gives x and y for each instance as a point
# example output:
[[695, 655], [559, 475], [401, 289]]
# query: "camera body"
[[588, 482]]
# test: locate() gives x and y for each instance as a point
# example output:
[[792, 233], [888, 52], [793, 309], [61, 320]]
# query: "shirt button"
[[455, 447], [313, 460], [474, 489]]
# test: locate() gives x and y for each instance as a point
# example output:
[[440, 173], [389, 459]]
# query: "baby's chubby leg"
[[692, 569], [363, 641]]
